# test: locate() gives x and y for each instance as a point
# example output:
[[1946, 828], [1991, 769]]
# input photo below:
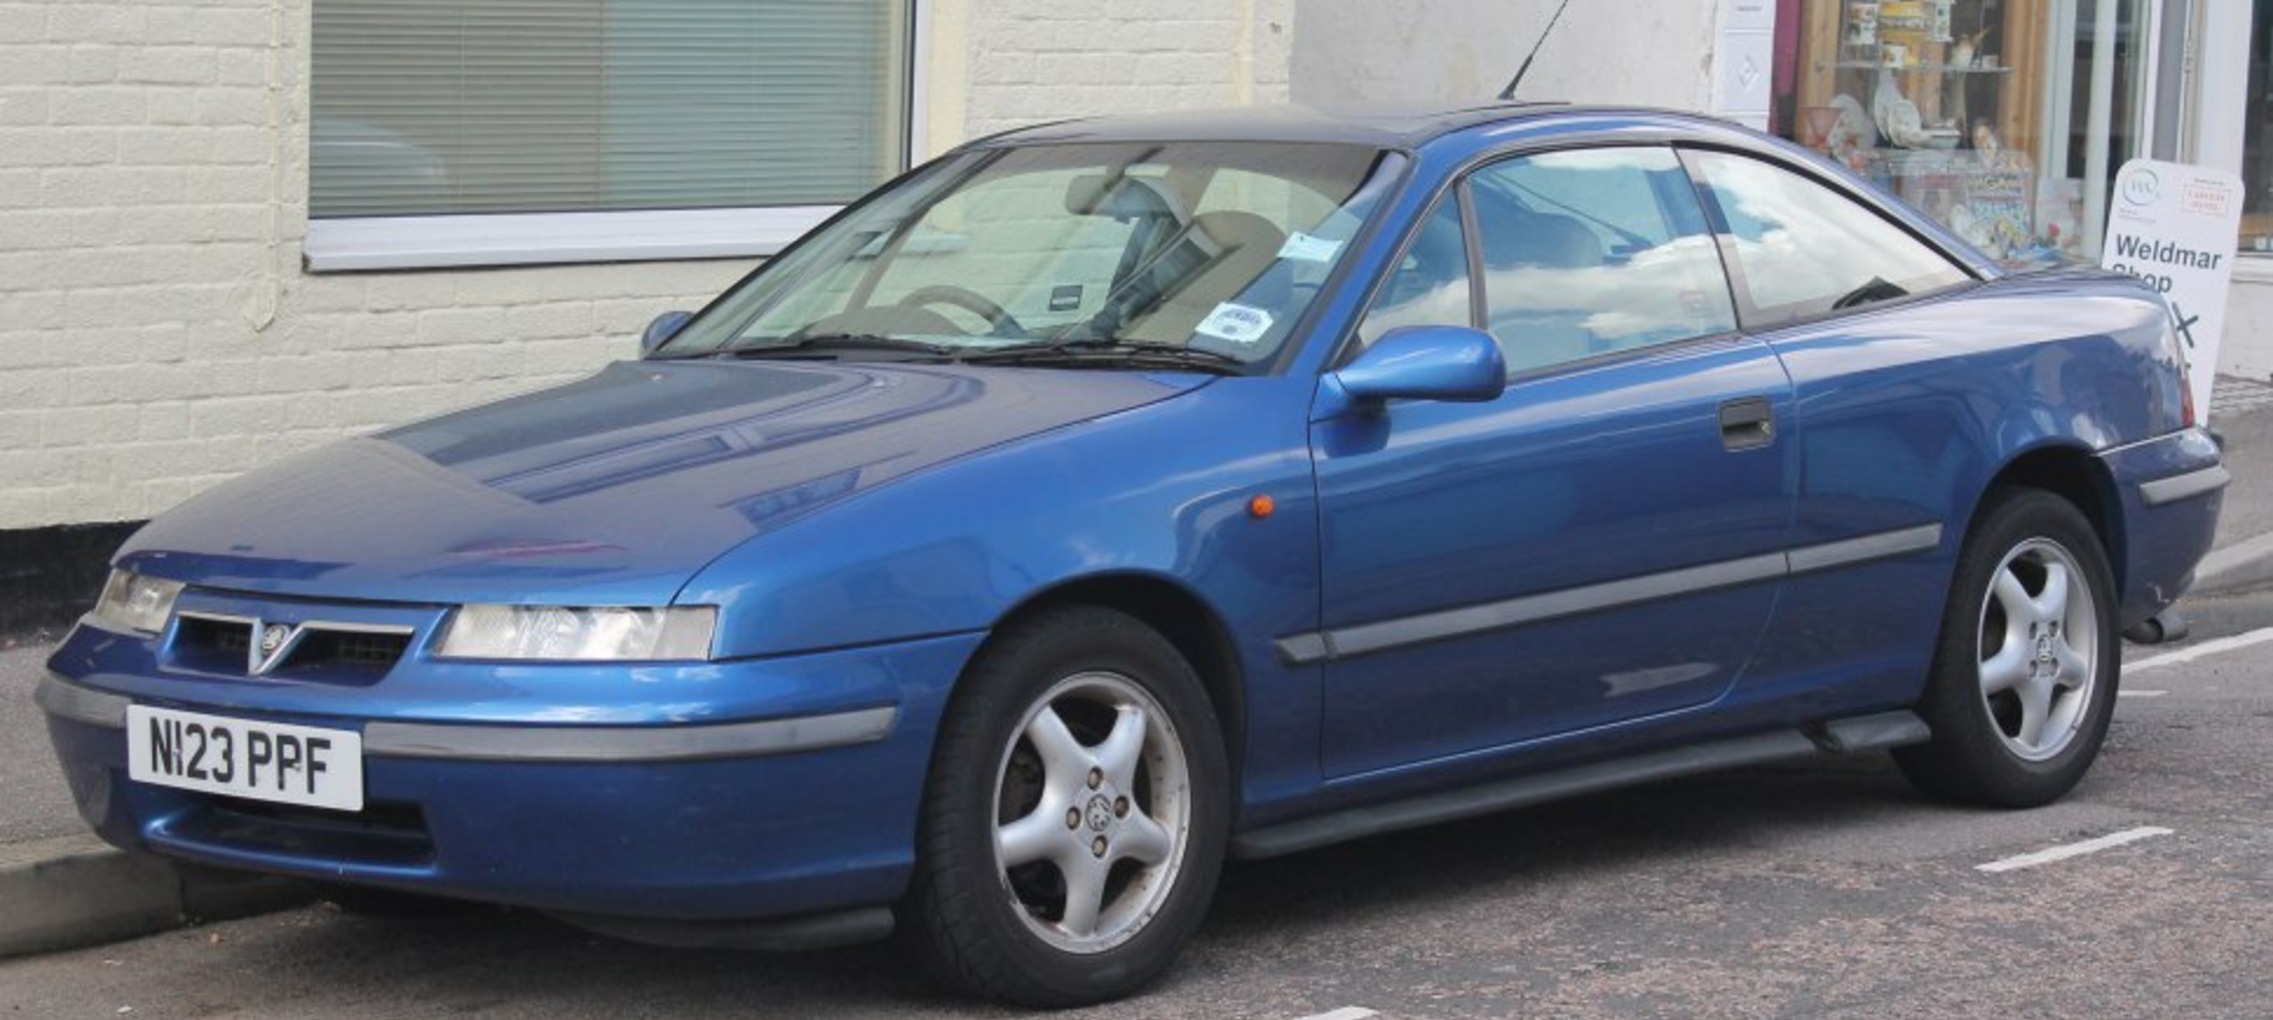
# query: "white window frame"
[[521, 239], [2221, 118]]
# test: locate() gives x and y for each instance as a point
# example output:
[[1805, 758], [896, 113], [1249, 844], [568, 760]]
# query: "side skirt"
[[1839, 736]]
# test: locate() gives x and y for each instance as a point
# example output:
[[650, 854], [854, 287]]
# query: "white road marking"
[[2061, 853], [2140, 694], [2203, 650], [1344, 1013]]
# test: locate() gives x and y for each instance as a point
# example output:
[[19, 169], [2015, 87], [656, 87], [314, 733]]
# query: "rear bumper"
[[792, 788], [2171, 490]]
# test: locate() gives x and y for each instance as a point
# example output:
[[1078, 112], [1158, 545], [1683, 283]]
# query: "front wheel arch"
[[1177, 614], [1131, 766]]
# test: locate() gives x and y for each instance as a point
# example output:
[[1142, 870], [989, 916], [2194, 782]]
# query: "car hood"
[[611, 490]]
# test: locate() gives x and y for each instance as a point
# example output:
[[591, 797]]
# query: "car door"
[[1860, 311], [1601, 543]]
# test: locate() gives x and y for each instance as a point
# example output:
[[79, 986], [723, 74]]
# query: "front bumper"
[[2171, 490], [709, 791]]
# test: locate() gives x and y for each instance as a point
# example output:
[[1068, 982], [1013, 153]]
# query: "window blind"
[[440, 107]]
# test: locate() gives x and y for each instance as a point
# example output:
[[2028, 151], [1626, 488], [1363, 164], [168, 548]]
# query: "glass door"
[[2099, 109]]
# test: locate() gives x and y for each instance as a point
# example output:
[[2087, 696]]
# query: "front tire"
[[2024, 679], [1075, 818]]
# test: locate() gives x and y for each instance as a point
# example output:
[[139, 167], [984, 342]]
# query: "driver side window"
[[1430, 285], [1593, 252]]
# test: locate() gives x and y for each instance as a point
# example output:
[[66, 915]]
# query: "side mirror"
[[664, 327], [1426, 363]]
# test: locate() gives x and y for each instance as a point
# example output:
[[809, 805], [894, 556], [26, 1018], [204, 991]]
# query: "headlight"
[[579, 634], [132, 602]]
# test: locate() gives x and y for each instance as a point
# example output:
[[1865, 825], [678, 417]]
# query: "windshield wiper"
[[829, 344], [1109, 352]]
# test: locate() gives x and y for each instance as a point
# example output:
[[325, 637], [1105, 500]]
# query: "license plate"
[[242, 758]]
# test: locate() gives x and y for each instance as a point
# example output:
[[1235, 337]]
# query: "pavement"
[[63, 888]]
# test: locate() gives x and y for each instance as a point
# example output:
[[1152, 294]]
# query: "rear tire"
[[2024, 679], [1075, 817]]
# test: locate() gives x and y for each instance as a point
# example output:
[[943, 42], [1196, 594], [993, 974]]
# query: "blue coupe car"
[[1107, 498]]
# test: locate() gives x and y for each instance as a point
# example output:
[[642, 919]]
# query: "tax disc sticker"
[[1238, 324], [1305, 248]]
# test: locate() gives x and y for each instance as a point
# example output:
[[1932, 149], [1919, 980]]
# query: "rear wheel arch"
[[2073, 474]]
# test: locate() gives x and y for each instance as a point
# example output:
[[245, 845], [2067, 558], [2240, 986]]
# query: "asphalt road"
[[1824, 890]]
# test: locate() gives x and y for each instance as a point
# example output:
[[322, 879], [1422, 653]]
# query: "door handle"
[[1747, 424]]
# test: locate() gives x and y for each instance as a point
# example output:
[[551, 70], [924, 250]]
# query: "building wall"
[[2221, 64], [2247, 347], [1041, 60], [1658, 54], [157, 331]]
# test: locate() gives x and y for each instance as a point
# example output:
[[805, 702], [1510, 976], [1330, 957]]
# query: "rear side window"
[[1803, 250], [1595, 251]]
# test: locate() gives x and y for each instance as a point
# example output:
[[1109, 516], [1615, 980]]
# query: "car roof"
[[1376, 125]]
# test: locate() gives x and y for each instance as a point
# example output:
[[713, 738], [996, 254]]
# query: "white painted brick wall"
[[1658, 53], [1038, 60], [153, 339], [157, 334]]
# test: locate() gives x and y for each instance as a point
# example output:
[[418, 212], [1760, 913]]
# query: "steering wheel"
[[998, 319]]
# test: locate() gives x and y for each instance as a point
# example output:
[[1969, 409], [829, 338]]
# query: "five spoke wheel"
[[1076, 813], [1093, 801], [2039, 643], [2023, 681]]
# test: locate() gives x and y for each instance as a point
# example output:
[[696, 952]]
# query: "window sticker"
[[1305, 248], [1235, 323]]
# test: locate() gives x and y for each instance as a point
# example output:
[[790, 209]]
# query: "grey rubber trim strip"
[[2186, 486], [1302, 649], [1360, 639], [1808, 559], [66, 700], [1373, 637], [627, 743]]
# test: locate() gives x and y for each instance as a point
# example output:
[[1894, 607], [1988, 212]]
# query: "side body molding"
[[1379, 635]]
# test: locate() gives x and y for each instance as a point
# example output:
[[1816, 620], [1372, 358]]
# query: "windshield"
[[1203, 250]]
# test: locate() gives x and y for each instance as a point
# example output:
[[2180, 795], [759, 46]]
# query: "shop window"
[[2004, 119], [1592, 252], [461, 121], [1803, 250]]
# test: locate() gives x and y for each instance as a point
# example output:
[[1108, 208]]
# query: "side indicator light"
[[1260, 507]]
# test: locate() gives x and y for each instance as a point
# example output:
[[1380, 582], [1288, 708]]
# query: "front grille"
[[319, 651], [226, 639], [349, 649]]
